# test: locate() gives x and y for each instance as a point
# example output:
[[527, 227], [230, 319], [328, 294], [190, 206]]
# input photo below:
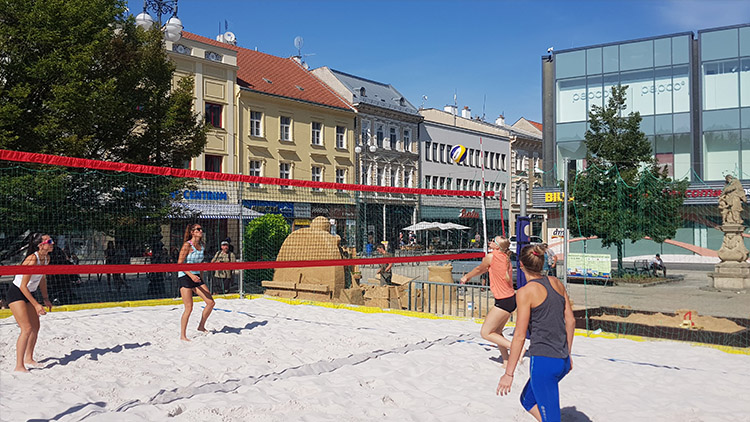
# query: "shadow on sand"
[[571, 414], [233, 330], [93, 354]]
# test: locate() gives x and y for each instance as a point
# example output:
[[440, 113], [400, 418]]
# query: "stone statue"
[[733, 248], [730, 201]]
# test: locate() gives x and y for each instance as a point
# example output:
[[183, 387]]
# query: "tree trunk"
[[619, 258]]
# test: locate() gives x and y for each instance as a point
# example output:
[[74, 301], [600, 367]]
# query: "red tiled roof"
[[285, 76], [535, 124]]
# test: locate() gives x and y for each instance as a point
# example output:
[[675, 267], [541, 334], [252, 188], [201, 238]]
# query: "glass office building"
[[693, 94]]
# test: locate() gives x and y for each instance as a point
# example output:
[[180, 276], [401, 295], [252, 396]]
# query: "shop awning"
[[220, 211]]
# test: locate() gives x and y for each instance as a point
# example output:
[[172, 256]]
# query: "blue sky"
[[475, 49]]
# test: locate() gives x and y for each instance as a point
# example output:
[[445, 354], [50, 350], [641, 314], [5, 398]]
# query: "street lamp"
[[172, 29]]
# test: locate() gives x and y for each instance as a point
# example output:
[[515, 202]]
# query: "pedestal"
[[730, 276]]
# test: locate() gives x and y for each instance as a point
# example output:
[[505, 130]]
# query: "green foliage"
[[262, 239], [78, 78], [624, 193]]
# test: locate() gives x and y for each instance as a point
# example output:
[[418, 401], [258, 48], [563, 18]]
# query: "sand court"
[[266, 360]]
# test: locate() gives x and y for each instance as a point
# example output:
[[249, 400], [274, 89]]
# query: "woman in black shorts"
[[26, 310]]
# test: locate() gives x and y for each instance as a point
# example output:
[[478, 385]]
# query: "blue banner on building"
[[271, 207]]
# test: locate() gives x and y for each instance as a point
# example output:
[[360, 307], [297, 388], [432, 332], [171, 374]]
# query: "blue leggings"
[[541, 390]]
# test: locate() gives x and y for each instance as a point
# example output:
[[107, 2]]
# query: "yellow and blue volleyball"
[[458, 154]]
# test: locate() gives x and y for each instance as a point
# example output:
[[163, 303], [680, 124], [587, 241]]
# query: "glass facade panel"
[[593, 92], [682, 152], [663, 90], [745, 82], [664, 152], [571, 64], [745, 41], [721, 119], [745, 143], [719, 44], [594, 61], [681, 122], [647, 125], [640, 92], [572, 150], [720, 84], [721, 152], [571, 100], [637, 55], [611, 58], [745, 118], [680, 89], [681, 49], [570, 132], [663, 52], [610, 81], [663, 124]]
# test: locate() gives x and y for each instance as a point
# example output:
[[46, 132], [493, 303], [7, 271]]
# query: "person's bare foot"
[[202, 328], [183, 338], [31, 362], [21, 369]]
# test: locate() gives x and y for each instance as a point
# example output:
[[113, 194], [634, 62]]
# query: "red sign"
[[468, 214]]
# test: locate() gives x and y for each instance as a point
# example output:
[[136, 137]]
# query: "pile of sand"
[[707, 323]]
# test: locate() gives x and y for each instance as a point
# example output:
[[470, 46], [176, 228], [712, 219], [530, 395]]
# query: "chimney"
[[451, 109], [466, 112], [500, 121]]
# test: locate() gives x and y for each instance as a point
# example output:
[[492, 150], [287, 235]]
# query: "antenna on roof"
[[298, 43], [484, 103]]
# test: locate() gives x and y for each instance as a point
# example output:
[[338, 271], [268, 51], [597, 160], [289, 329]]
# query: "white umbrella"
[[423, 225]]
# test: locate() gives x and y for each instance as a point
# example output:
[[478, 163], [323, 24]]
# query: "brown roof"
[[535, 124], [287, 77]]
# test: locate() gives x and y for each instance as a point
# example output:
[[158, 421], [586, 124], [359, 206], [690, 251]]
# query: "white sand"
[[269, 361]]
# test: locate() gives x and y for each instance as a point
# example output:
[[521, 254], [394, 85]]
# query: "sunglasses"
[[48, 242], [200, 229]]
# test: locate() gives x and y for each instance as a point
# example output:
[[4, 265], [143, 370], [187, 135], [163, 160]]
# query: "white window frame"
[[407, 140], [427, 151], [316, 175], [341, 137], [256, 124], [285, 128], [340, 175], [394, 177], [253, 171], [393, 139], [318, 131], [288, 171], [365, 133]]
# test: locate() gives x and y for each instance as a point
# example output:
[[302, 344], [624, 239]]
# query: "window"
[[407, 178], [340, 176], [393, 138], [502, 162], [434, 152], [213, 114], [316, 176], [340, 137], [441, 183], [427, 155], [379, 136], [394, 177], [448, 149], [256, 117], [427, 180], [435, 182], [213, 163], [379, 177], [256, 167], [492, 161], [407, 140], [285, 172], [448, 183], [442, 153], [471, 161], [317, 133], [365, 137], [285, 128]]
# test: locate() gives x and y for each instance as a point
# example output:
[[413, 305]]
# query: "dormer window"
[[362, 92], [267, 80], [402, 102]]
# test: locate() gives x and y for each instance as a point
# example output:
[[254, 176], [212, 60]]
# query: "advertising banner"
[[590, 265]]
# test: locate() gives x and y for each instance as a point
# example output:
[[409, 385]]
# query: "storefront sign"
[[468, 214], [202, 195], [302, 210], [271, 207], [555, 197]]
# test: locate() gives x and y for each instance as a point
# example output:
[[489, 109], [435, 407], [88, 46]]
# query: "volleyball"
[[458, 154]]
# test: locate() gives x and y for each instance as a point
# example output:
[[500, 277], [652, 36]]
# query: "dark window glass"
[[213, 163], [213, 114]]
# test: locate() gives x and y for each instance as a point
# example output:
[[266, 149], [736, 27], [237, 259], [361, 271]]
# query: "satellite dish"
[[229, 37], [298, 42]]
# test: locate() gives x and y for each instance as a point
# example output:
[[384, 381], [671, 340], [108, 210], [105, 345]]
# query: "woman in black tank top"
[[543, 309]]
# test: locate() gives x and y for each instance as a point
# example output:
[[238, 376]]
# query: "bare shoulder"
[[558, 285], [30, 260]]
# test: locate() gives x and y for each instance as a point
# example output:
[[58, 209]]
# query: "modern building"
[[693, 92], [288, 125], [388, 153], [440, 131]]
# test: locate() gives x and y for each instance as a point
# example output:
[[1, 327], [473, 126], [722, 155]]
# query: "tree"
[[262, 242], [624, 193], [78, 78]]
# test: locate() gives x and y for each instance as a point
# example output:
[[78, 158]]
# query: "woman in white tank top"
[[26, 310]]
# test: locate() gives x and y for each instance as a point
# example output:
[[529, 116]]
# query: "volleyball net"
[[118, 230]]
